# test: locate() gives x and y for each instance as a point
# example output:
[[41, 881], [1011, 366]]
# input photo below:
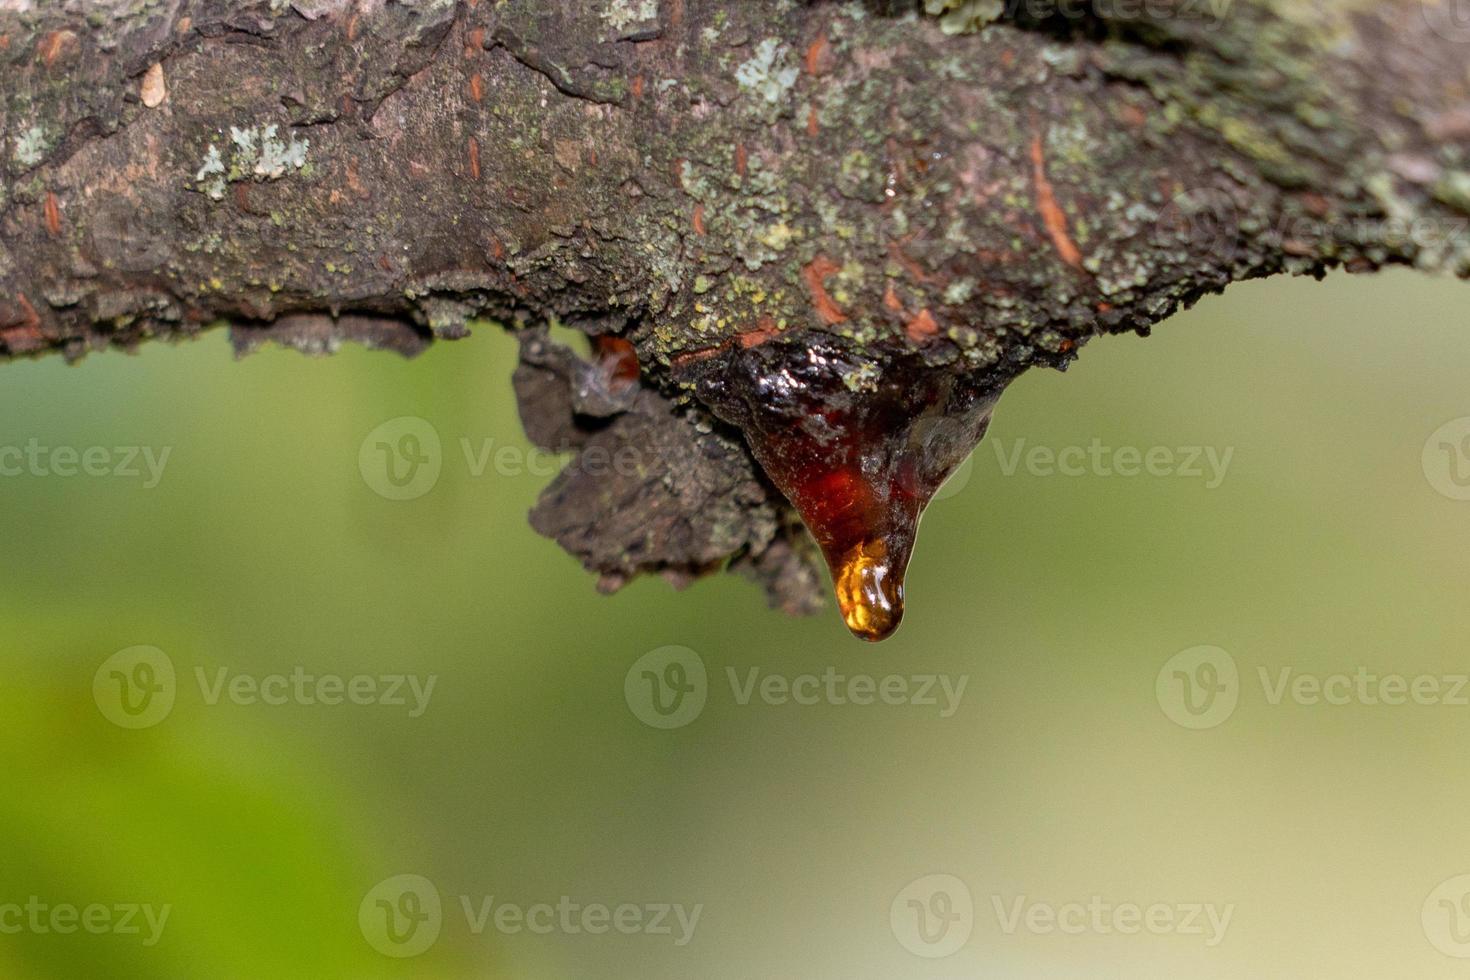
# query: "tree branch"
[[733, 189]]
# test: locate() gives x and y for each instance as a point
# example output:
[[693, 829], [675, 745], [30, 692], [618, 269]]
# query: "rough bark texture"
[[702, 177]]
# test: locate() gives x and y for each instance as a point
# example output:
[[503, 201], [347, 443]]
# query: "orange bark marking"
[[51, 46], [477, 87], [813, 126], [818, 56], [1052, 215], [638, 87], [32, 320], [474, 158], [703, 353], [353, 182], [891, 300], [742, 159], [699, 219], [922, 327], [53, 215], [815, 276], [764, 331]]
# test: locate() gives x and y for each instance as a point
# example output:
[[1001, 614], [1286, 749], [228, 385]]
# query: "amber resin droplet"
[[858, 442]]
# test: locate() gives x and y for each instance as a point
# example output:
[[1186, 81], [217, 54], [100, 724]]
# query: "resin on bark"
[[858, 441]]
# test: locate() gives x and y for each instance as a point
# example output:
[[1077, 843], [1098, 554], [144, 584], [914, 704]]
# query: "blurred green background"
[[1063, 775]]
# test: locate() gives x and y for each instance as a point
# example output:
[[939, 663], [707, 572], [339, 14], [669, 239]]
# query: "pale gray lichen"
[[244, 140], [959, 291], [964, 16], [771, 73], [623, 14], [211, 176], [276, 157], [30, 149], [256, 152]]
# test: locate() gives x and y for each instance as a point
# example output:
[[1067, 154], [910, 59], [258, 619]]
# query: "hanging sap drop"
[[869, 591], [858, 445]]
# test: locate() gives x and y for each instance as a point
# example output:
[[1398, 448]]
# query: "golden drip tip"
[[869, 591]]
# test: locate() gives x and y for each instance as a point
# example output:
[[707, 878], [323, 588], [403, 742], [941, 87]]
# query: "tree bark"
[[702, 180]]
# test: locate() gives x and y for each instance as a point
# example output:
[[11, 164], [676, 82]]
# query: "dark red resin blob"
[[859, 446]]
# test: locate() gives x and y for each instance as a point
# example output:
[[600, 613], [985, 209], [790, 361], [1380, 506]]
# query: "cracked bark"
[[704, 180]]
